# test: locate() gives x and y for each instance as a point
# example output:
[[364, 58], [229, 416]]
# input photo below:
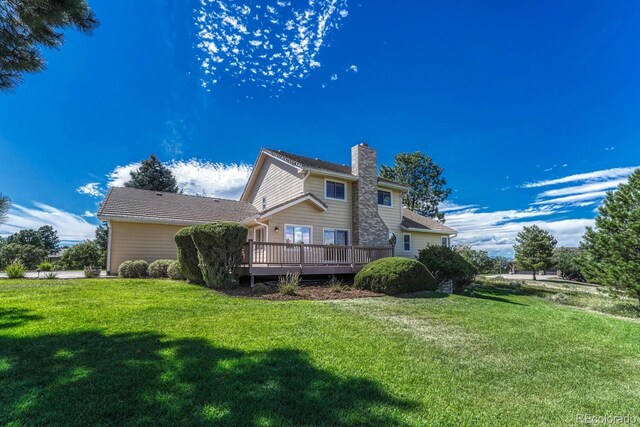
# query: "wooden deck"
[[275, 259]]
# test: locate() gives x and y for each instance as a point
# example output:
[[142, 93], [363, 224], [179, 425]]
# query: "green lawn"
[[144, 352]]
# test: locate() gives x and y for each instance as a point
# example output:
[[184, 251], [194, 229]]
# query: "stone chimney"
[[368, 227]]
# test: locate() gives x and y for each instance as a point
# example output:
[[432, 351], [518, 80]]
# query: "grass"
[[159, 352], [576, 294]]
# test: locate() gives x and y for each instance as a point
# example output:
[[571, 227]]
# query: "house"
[[304, 214]]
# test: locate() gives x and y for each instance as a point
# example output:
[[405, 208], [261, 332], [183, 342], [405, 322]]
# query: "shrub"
[[173, 271], [395, 275], [158, 268], [336, 285], [28, 255], [91, 272], [188, 255], [15, 270], [219, 247], [51, 275], [45, 266], [288, 285], [80, 256], [133, 269], [446, 264]]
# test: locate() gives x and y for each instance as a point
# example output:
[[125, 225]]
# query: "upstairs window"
[[406, 242], [334, 190], [384, 198], [445, 242]]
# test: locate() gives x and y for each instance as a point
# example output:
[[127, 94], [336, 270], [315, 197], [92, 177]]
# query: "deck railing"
[[295, 254]]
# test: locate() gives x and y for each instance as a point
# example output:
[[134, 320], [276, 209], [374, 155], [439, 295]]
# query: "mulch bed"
[[304, 292]]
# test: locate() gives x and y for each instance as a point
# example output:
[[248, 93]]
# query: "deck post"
[[301, 258], [393, 250], [352, 258], [250, 255]]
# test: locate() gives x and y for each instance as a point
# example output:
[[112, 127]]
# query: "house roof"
[[322, 205], [132, 203], [304, 162], [414, 221]]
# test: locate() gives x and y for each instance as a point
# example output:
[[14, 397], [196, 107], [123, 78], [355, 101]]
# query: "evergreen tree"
[[26, 25], [534, 249], [50, 240], [5, 204], [153, 175], [566, 260], [424, 179], [612, 248]]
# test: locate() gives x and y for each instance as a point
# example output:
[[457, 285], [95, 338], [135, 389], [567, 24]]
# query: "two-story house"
[[303, 214]]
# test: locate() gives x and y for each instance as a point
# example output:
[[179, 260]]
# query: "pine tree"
[[50, 240], [153, 175], [534, 249], [424, 179], [612, 248], [25, 25]]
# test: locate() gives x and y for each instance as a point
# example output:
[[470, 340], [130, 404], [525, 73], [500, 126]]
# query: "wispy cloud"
[[271, 44], [70, 227], [194, 176], [575, 198], [583, 189], [601, 175], [91, 189]]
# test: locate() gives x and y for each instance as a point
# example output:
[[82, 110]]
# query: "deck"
[[275, 259]]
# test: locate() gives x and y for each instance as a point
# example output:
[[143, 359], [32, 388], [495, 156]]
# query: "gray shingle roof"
[[145, 204], [410, 219], [309, 162]]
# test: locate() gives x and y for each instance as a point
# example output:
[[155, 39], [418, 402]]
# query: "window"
[[445, 242], [334, 190], [384, 198], [336, 237], [406, 242], [297, 234], [259, 234], [264, 202]]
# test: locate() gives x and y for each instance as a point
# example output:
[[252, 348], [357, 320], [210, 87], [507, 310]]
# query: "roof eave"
[[423, 230]]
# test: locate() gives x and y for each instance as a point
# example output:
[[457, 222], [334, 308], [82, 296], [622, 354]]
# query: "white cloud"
[[353, 69], [70, 227], [575, 198], [583, 189], [91, 189], [211, 179], [88, 214], [601, 175], [270, 44], [195, 176], [334, 77]]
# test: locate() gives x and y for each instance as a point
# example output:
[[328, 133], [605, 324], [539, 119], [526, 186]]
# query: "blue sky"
[[509, 97]]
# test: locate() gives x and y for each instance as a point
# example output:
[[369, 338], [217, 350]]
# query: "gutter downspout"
[[109, 247]]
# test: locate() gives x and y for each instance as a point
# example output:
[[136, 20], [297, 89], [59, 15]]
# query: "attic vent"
[[158, 194]]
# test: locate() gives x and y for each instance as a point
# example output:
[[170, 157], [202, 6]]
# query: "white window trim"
[[386, 191], [410, 243], [284, 232], [348, 230], [339, 182]]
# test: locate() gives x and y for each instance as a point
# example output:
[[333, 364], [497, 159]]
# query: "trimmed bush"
[[173, 271], [447, 264], [219, 247], [158, 268], [188, 256], [15, 270], [45, 266], [395, 275], [133, 269]]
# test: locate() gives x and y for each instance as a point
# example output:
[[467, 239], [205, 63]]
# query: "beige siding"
[[418, 242], [392, 216], [130, 241], [306, 214], [338, 213], [277, 181]]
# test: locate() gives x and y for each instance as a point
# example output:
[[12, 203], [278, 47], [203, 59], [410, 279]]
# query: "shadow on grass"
[[12, 317], [492, 293], [90, 378]]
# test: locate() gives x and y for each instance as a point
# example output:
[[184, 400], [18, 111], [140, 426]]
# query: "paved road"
[[75, 274]]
